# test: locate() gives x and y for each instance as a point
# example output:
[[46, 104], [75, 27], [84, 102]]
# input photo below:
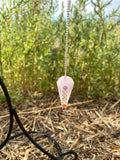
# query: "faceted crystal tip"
[[64, 107]]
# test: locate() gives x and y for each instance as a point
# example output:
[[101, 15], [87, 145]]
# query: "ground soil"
[[89, 127]]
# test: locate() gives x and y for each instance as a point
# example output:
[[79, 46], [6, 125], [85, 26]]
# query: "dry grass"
[[91, 128]]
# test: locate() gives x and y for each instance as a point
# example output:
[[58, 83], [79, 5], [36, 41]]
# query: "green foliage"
[[2, 97], [16, 95], [32, 46]]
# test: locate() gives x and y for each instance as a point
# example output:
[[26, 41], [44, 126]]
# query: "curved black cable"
[[12, 111], [38, 132]]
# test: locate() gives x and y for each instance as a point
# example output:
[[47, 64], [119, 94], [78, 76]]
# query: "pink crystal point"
[[65, 85]]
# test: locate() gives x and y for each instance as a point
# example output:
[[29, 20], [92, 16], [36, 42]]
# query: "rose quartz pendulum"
[[65, 85]]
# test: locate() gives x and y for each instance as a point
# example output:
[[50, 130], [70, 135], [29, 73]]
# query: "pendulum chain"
[[65, 83], [67, 28]]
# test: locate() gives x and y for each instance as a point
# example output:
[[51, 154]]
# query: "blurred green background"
[[32, 47]]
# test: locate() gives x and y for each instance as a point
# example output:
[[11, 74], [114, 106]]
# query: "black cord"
[[12, 112], [38, 132]]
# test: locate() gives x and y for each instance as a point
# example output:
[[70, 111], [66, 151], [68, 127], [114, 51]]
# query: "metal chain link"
[[67, 28]]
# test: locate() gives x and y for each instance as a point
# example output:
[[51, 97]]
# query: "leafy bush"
[[33, 46]]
